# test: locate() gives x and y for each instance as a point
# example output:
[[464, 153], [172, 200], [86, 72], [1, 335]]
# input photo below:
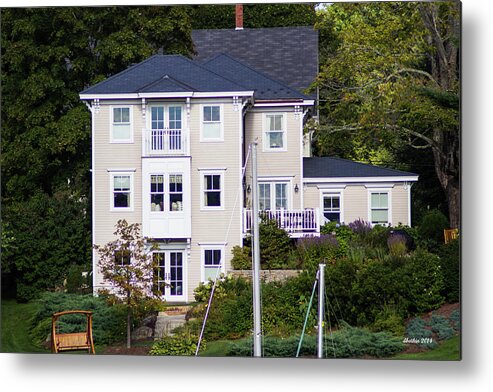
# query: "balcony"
[[297, 223], [163, 142]]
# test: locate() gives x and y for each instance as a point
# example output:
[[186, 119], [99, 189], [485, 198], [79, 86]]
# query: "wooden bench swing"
[[75, 340]]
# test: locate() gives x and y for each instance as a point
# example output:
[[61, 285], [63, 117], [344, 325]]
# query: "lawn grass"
[[216, 348], [449, 350], [15, 328]]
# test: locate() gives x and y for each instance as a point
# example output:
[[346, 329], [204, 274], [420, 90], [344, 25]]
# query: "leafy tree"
[[254, 15], [392, 83], [128, 267], [49, 55]]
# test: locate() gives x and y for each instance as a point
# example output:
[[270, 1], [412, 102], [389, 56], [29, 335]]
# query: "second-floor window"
[[273, 196], [121, 125], [121, 189], [211, 123], [275, 132], [212, 191]]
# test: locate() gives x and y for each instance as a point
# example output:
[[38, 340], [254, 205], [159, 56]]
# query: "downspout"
[[93, 194]]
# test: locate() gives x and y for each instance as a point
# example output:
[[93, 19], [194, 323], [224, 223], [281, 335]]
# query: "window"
[[211, 123], [121, 128], [157, 192], [212, 191], [273, 195], [160, 283], [275, 135], [212, 263], [166, 127], [175, 192], [379, 208], [122, 257], [121, 191], [332, 208]]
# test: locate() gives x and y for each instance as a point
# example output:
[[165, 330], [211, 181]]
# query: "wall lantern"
[[296, 189], [249, 189]]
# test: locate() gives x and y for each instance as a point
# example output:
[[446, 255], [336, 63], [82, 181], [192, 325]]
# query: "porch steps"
[[170, 319]]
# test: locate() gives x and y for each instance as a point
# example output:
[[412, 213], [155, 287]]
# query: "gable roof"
[[333, 167], [265, 88], [164, 73], [287, 54]]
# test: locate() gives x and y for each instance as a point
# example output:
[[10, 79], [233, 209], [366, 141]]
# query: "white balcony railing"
[[296, 222], [163, 142]]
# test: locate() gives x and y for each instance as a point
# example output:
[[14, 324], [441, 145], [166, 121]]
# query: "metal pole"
[[257, 334], [321, 287]]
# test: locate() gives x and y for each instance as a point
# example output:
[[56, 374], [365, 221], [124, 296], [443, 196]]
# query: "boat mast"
[[321, 287], [257, 334]]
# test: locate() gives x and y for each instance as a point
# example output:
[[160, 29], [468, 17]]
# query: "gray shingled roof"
[[329, 167], [265, 87], [164, 73], [287, 54]]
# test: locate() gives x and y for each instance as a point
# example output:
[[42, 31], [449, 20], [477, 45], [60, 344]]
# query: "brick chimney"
[[239, 16]]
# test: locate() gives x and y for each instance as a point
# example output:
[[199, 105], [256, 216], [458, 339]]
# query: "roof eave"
[[186, 94], [404, 178]]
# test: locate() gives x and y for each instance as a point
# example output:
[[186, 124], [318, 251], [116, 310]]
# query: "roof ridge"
[[256, 71], [259, 28]]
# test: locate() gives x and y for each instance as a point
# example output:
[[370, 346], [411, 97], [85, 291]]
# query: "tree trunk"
[[129, 328], [453, 199]]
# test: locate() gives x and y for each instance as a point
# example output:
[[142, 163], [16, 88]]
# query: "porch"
[[297, 223]]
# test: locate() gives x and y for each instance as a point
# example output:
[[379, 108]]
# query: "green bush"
[[431, 228], [276, 249], [316, 250], [450, 263], [348, 342], [389, 320], [109, 322], [179, 344], [77, 283], [417, 329], [343, 234], [426, 281], [441, 326]]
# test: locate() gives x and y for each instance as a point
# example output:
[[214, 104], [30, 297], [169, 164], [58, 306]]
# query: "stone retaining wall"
[[266, 275]]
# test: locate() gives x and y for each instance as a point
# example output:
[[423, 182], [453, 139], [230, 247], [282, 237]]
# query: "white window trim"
[[332, 192], [204, 173], [132, 190], [130, 117], [265, 144], [279, 180], [203, 248], [166, 107], [167, 194], [221, 119], [389, 193]]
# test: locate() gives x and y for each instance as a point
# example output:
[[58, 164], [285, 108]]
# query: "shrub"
[[342, 233], [276, 247], [179, 344], [316, 250], [78, 280], [389, 320], [432, 226], [455, 319], [242, 259], [360, 227], [416, 329], [108, 321], [440, 325], [450, 264], [426, 281], [397, 245], [348, 342]]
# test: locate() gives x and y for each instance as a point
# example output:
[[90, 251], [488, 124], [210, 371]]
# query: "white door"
[[170, 274], [273, 196]]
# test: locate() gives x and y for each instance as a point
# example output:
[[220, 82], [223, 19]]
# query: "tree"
[[49, 55], [255, 15], [127, 265], [391, 83]]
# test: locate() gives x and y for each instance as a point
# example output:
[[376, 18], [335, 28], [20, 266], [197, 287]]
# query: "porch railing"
[[295, 222], [163, 142]]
